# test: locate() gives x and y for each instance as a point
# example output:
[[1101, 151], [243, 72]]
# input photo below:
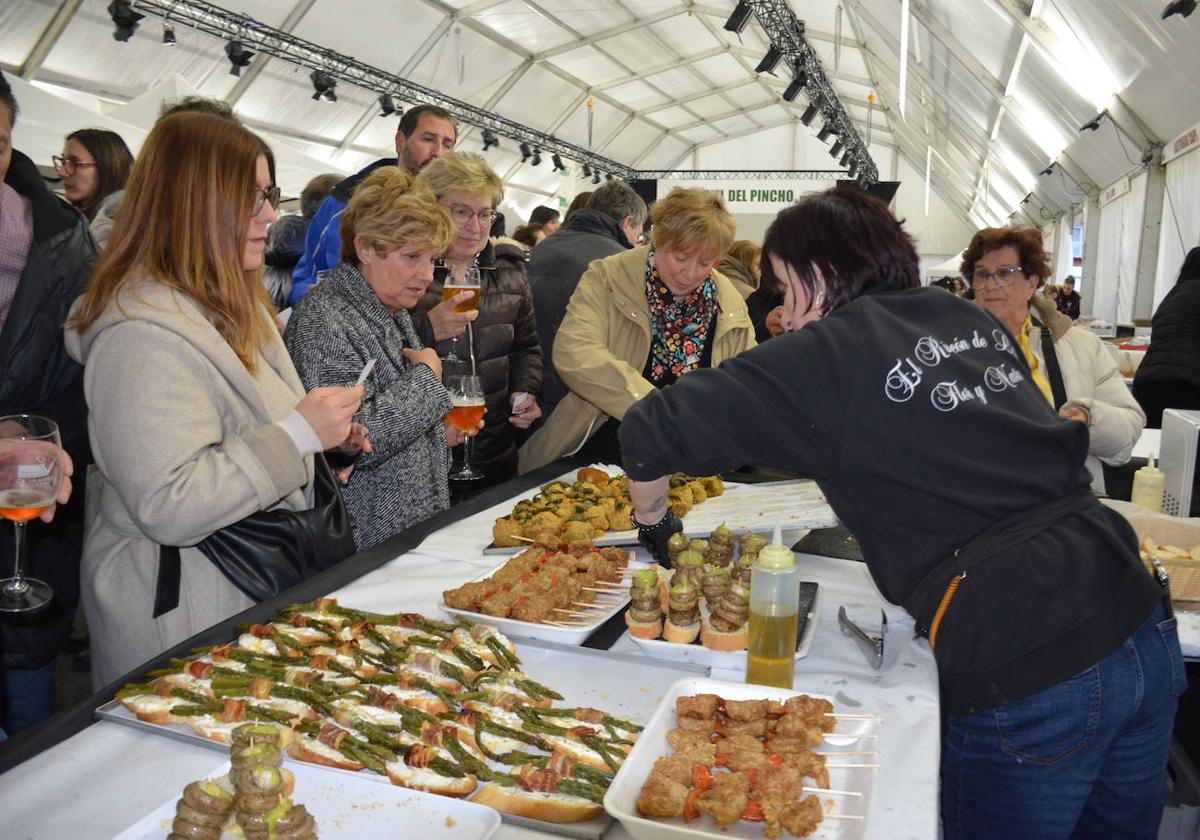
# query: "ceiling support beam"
[[49, 37]]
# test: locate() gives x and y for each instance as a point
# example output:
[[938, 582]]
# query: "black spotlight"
[[323, 86], [387, 105], [596, 177], [795, 86], [824, 133], [608, 176], [124, 18], [1049, 168], [558, 163], [1179, 7], [845, 158], [168, 35], [770, 61], [536, 160], [489, 139], [1094, 123], [835, 149], [740, 17], [526, 152], [810, 114], [587, 171], [239, 57]]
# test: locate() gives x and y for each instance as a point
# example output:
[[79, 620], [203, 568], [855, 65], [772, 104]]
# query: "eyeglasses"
[[1003, 276], [462, 214], [68, 165], [262, 196]]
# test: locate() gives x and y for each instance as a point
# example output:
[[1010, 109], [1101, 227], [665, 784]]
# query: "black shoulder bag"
[[1053, 371], [270, 551]]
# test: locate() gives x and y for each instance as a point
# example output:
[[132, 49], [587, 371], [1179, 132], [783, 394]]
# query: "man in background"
[[426, 132], [608, 225], [1069, 299]]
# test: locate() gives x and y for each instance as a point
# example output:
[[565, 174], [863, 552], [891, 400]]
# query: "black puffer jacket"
[[1174, 354], [37, 377], [555, 267], [507, 352]]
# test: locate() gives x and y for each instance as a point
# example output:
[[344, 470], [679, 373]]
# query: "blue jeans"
[[1084, 758], [27, 697]]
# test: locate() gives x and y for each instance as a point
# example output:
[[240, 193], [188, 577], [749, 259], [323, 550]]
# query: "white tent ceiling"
[[997, 89]]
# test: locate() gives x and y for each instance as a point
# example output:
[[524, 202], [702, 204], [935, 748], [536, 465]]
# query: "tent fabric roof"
[[997, 89]]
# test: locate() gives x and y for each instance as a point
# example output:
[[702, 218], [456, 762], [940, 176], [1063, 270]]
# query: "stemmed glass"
[[470, 283], [30, 471], [466, 395]]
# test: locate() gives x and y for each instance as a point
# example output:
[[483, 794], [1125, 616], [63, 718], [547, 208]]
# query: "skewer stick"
[[828, 792], [840, 716], [566, 623], [872, 766], [522, 539], [840, 817], [606, 590], [593, 606], [575, 613]]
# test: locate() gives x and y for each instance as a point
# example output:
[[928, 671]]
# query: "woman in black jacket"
[[1059, 665], [1169, 375]]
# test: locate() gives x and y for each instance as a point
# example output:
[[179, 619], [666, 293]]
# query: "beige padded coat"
[[602, 347], [185, 443]]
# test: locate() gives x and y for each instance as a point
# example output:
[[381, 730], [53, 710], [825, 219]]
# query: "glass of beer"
[[466, 397], [30, 471], [469, 283]]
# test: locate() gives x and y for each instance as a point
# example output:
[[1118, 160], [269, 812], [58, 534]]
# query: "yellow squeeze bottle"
[[774, 610], [1148, 485]]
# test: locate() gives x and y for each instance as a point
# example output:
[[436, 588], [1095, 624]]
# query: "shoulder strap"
[[166, 587], [1053, 371]]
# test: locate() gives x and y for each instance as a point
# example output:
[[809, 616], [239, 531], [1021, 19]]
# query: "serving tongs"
[[872, 646]]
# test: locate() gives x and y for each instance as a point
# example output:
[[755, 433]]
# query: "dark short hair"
[[851, 237], [408, 122], [616, 199], [527, 234], [198, 104], [543, 214], [9, 100], [1035, 262], [1070, 278], [315, 191], [113, 163]]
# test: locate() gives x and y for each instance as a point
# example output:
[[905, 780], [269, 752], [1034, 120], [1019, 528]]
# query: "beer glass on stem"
[[466, 397], [470, 283], [30, 471]]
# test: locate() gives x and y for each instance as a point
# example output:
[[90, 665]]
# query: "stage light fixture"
[[557, 162], [770, 61], [795, 86], [489, 139], [740, 17], [824, 133], [536, 160], [608, 176], [526, 152], [845, 158], [387, 106], [587, 171], [323, 86], [1049, 168], [810, 114], [124, 18], [596, 178], [835, 149], [239, 57], [1179, 7], [168, 38], [1094, 123]]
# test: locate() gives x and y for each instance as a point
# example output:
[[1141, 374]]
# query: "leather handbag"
[[272, 550]]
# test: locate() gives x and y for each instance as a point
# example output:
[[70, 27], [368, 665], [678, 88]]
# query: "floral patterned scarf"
[[678, 328]]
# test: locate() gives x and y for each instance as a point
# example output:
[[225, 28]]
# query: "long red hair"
[[182, 223]]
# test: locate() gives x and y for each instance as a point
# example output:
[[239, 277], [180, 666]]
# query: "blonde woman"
[[196, 415], [392, 233], [640, 320], [507, 353]]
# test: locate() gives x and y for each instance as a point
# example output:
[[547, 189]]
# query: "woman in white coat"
[[197, 418], [1005, 267]]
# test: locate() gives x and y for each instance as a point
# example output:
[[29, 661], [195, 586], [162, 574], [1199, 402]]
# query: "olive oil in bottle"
[[774, 600]]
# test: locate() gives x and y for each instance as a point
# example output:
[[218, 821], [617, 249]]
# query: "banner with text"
[[752, 196]]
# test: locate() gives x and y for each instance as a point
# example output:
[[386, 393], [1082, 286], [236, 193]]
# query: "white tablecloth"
[[107, 777]]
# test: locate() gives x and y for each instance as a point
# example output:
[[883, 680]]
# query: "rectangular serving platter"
[[623, 684], [349, 807], [621, 799], [755, 508], [549, 632]]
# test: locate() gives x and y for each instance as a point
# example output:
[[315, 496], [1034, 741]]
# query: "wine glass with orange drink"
[[466, 397], [470, 282], [30, 471]]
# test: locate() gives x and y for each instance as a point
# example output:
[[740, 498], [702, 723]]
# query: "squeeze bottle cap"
[[776, 555]]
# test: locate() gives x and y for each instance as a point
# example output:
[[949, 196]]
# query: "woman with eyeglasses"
[[93, 167], [197, 417], [1073, 370], [915, 413], [503, 339]]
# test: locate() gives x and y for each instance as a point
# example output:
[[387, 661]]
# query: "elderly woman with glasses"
[[1071, 367], [639, 321], [503, 339]]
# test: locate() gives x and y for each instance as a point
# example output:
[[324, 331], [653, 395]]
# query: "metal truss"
[[743, 174]]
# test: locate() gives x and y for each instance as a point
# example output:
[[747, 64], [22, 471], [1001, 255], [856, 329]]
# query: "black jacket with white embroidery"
[[916, 415]]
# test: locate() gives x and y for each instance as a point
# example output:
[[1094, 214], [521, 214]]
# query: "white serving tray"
[[730, 659], [742, 507], [549, 632], [348, 807], [621, 799]]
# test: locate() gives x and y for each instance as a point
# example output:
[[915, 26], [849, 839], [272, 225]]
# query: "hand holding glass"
[[31, 470], [466, 396]]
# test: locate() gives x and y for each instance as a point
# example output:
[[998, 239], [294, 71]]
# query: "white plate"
[[621, 799], [350, 808], [756, 508], [731, 659], [548, 632]]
